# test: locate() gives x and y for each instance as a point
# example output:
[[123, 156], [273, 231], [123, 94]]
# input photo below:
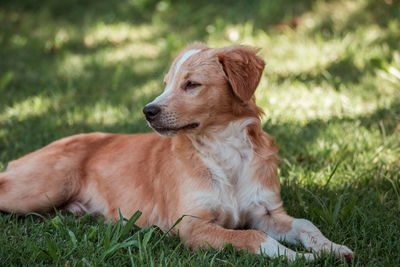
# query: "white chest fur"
[[228, 155]]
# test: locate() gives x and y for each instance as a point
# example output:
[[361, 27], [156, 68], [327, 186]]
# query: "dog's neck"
[[226, 151]]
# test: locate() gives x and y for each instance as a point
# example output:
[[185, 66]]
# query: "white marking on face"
[[178, 65]]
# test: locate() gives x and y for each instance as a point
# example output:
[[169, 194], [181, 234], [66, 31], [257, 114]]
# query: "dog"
[[209, 158]]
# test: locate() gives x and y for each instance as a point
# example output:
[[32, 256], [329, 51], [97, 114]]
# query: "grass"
[[330, 92]]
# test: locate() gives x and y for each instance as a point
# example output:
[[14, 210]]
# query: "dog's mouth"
[[163, 129], [175, 129]]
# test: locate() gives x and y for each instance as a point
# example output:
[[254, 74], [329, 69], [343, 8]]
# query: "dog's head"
[[206, 87]]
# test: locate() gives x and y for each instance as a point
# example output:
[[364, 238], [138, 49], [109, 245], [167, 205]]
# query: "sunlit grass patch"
[[31, 106], [73, 65], [289, 102], [120, 33], [100, 113]]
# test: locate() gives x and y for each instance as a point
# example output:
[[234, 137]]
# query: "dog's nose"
[[151, 111]]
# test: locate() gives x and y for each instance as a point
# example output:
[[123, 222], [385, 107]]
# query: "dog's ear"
[[243, 69]]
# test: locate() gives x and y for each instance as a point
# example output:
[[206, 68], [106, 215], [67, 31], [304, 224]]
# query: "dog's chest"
[[234, 197]]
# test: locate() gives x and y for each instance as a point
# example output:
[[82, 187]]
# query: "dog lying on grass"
[[217, 164]]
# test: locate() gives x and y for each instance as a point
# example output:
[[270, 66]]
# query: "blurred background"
[[330, 90]]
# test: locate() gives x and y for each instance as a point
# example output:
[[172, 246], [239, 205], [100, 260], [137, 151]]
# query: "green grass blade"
[[130, 224], [173, 226]]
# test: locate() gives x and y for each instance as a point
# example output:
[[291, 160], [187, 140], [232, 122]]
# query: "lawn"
[[330, 92]]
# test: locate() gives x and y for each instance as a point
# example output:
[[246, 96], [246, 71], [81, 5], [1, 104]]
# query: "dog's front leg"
[[281, 226], [199, 233]]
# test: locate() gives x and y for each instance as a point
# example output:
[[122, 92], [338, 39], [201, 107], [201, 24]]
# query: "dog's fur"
[[218, 165]]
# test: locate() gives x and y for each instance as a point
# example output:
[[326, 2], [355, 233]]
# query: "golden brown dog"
[[217, 165]]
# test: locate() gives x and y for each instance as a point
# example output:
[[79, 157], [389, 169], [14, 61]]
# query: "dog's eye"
[[191, 85]]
